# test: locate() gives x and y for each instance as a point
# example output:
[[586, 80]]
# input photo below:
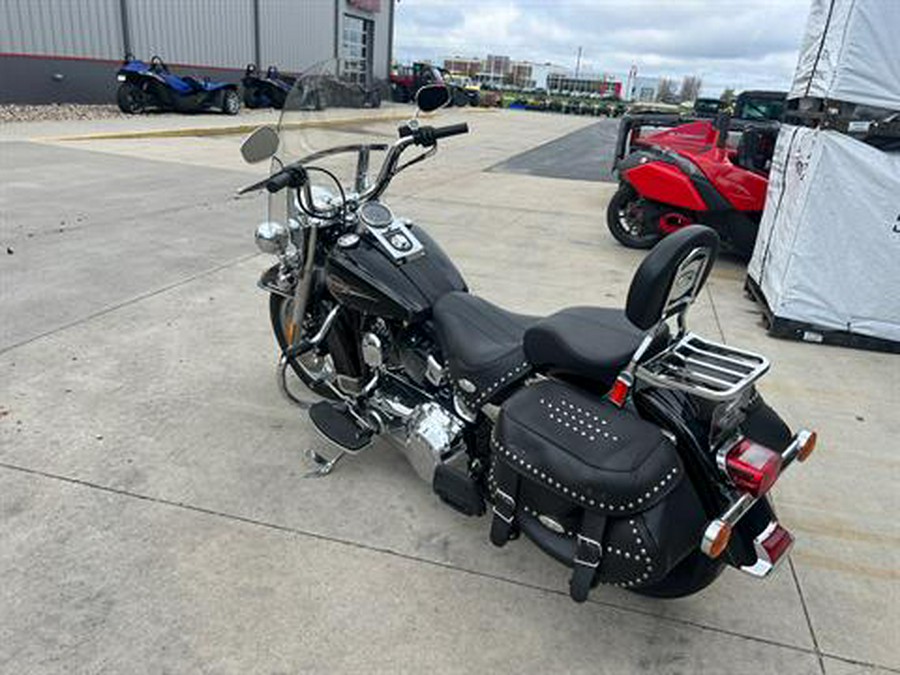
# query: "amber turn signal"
[[716, 538], [807, 448]]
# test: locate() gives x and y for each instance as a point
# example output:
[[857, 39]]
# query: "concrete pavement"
[[152, 512]]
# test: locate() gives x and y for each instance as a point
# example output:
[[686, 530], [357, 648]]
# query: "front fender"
[[661, 182], [272, 281]]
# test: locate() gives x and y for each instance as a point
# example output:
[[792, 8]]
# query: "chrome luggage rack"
[[707, 369]]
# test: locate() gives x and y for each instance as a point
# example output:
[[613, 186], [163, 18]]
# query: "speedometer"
[[376, 215]]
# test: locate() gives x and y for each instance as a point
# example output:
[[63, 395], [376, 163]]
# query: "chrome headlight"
[[272, 238]]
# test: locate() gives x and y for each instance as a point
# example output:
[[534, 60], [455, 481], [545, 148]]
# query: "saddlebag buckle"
[[508, 503], [588, 552]]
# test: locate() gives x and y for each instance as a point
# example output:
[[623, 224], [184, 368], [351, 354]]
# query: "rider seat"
[[482, 344], [589, 344], [489, 349]]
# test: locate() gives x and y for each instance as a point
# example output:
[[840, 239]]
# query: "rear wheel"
[[630, 220], [231, 103], [130, 98]]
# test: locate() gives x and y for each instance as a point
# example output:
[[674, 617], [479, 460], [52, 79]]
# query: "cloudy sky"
[[742, 44]]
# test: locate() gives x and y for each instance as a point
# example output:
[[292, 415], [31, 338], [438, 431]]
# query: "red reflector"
[[777, 543], [619, 392], [752, 467]]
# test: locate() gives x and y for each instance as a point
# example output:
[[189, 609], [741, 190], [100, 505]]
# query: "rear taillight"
[[752, 467], [775, 542]]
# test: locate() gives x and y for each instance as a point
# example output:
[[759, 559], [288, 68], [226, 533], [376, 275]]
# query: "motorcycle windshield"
[[327, 125]]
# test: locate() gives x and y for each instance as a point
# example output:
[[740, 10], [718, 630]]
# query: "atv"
[[154, 87]]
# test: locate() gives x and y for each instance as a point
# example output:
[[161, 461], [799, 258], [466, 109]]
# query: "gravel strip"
[[56, 112]]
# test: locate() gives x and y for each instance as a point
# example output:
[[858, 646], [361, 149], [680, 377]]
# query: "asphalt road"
[[586, 154]]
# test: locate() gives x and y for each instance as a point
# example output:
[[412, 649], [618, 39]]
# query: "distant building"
[[503, 71], [495, 70], [605, 85], [463, 66], [520, 75], [68, 51], [497, 64], [643, 89], [540, 73]]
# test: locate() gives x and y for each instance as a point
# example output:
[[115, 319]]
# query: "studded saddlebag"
[[595, 486]]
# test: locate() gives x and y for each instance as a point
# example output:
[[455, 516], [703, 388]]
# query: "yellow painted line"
[[234, 128]]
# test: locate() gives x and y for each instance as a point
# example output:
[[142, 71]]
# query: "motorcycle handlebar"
[[451, 130], [294, 175], [279, 181], [427, 136]]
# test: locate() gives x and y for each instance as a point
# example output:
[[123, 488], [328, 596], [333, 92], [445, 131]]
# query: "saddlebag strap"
[[588, 551], [504, 503]]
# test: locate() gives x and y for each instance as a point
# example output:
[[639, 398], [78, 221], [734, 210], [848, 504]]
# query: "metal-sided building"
[[68, 50]]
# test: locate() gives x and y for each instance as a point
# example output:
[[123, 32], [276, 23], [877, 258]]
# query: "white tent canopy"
[[851, 52], [828, 251]]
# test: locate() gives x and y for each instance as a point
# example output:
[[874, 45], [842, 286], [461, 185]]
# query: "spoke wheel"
[[316, 365]]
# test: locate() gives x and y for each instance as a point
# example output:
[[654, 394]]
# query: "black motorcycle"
[[628, 448]]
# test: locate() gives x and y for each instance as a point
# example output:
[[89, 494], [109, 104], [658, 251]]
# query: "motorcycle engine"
[[433, 437], [429, 434]]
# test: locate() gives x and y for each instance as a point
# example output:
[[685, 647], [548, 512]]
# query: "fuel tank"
[[365, 278]]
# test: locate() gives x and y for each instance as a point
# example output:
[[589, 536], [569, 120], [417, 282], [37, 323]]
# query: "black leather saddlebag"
[[595, 486]]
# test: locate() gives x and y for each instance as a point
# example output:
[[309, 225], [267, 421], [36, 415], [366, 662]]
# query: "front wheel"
[[335, 354], [130, 98], [629, 220]]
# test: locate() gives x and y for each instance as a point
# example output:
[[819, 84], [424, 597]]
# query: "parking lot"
[[153, 511]]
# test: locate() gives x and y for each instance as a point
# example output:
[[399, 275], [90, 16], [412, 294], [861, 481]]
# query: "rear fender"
[[674, 411], [662, 182]]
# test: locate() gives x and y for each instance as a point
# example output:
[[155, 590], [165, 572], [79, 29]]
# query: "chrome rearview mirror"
[[260, 145], [432, 96]]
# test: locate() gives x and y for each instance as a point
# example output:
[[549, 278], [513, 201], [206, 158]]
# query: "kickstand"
[[323, 466]]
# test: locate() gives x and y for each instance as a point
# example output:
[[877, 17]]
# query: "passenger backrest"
[[671, 275]]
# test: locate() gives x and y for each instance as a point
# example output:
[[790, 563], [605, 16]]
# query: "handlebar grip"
[[451, 130], [278, 182], [428, 136]]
